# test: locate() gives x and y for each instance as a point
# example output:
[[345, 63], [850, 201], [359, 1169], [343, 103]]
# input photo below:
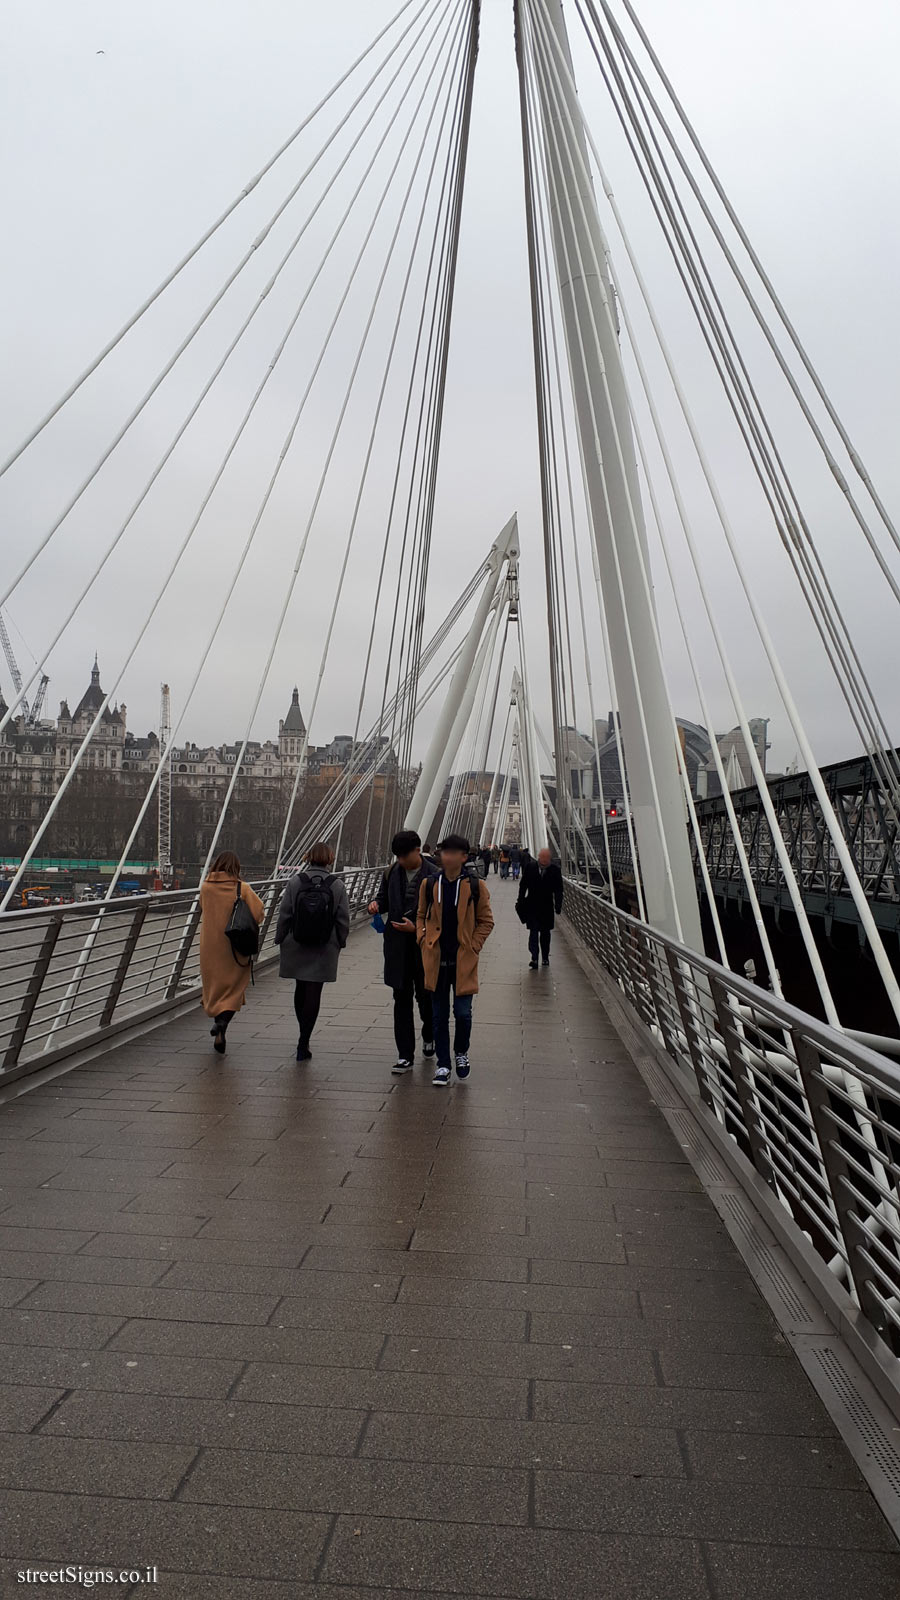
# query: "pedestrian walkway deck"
[[285, 1331]]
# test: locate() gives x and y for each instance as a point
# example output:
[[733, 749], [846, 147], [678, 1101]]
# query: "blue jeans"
[[462, 1016]]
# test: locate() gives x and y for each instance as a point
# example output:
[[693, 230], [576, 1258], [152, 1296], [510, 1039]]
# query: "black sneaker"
[[401, 1066], [303, 1052], [462, 1064], [428, 1047], [545, 962], [532, 966], [441, 1077]]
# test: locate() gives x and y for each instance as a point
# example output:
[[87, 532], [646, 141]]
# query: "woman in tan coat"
[[224, 978]]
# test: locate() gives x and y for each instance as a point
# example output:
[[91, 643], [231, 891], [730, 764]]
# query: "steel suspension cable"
[[155, 780], [754, 427], [255, 525], [331, 809], [378, 408], [204, 239], [89, 735], [275, 359], [558, 396], [445, 258], [336, 433], [793, 888], [419, 618], [435, 644], [161, 376], [791, 331]]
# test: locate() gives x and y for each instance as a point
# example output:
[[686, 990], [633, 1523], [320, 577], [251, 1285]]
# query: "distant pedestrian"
[[539, 902], [486, 860], [504, 862], [398, 900], [224, 975], [495, 857], [313, 927], [515, 859], [454, 920]]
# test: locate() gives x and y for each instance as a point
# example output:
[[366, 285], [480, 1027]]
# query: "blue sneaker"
[[462, 1065], [441, 1077]]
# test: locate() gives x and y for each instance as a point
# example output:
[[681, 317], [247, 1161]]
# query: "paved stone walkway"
[[288, 1331]]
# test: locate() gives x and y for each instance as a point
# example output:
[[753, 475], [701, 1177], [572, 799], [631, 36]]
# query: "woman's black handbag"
[[242, 932]]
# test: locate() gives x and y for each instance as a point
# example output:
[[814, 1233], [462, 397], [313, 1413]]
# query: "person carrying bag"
[[313, 928], [230, 916]]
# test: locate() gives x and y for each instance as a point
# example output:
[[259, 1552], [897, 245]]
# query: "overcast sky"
[[126, 129]]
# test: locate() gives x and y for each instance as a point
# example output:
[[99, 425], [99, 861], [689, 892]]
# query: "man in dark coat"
[[397, 900], [539, 902]]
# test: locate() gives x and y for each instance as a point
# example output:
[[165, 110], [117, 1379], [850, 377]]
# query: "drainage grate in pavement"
[[706, 1163], [767, 1268]]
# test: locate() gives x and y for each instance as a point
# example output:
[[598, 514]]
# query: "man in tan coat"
[[454, 919]]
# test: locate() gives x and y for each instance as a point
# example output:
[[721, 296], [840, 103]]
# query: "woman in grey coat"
[[312, 962]]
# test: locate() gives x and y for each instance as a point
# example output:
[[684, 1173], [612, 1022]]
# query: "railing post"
[[32, 992], [274, 899], [662, 1015], [739, 1068], [184, 949], [124, 962], [838, 1174], [690, 1029]]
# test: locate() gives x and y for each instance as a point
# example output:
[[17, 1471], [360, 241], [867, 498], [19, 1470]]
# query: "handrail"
[[70, 985], [815, 1111]]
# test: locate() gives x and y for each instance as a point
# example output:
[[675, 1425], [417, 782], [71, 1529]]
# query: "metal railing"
[[817, 1114], [71, 974]]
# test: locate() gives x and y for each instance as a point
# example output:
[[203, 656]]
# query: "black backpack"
[[242, 932], [313, 921]]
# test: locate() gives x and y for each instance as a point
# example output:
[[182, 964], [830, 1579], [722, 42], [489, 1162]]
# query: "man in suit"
[[539, 902]]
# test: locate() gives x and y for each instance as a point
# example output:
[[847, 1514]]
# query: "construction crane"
[[38, 706], [164, 830], [31, 714]]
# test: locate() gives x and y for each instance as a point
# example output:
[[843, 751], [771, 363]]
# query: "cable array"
[[393, 160], [553, 142]]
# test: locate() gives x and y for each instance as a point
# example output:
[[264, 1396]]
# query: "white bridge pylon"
[[500, 592], [609, 465]]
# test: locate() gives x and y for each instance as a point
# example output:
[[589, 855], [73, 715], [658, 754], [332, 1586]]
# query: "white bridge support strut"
[[456, 710], [611, 480], [531, 794]]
